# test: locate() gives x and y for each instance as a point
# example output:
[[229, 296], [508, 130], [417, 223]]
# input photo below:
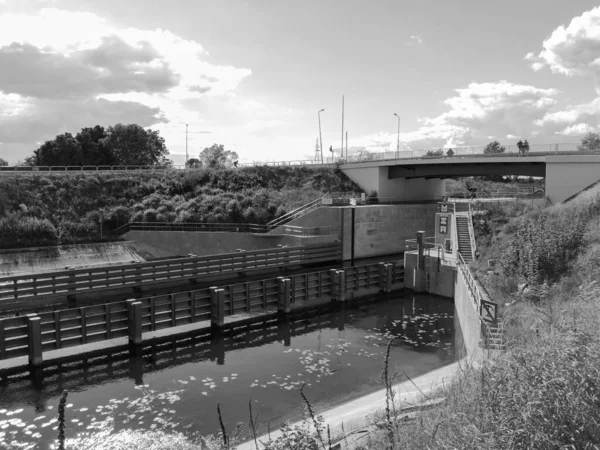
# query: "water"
[[176, 386]]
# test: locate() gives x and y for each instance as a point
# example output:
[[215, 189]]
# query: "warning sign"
[[489, 311]]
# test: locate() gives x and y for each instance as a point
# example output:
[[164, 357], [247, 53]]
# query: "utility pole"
[[342, 148], [318, 154], [346, 145], [398, 145], [320, 135]]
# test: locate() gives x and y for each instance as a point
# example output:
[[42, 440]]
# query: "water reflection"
[[174, 385]]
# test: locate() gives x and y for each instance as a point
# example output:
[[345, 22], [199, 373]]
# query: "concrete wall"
[[383, 229], [470, 323], [43, 259], [322, 217], [441, 277], [567, 175], [376, 179], [179, 243]]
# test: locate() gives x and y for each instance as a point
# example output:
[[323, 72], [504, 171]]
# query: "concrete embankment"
[[359, 413], [43, 259]]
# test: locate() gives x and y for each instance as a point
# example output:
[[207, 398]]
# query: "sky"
[[253, 74]]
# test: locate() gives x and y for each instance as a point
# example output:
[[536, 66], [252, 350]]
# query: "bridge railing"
[[471, 151]]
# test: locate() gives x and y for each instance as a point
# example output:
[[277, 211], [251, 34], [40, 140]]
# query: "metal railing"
[[71, 282], [429, 245], [298, 212], [274, 230]]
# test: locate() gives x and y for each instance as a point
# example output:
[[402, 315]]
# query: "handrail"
[[296, 212], [472, 233], [227, 227], [475, 294]]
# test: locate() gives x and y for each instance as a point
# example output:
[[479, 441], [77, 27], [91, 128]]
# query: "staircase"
[[299, 212], [464, 238], [495, 337]]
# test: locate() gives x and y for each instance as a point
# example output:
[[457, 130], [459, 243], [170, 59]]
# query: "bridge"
[[417, 175]]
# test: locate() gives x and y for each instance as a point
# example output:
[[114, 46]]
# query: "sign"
[[444, 207], [489, 311], [443, 224]]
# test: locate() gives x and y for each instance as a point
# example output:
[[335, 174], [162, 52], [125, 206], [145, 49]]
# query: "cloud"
[[477, 112], [414, 41], [572, 50], [58, 78], [577, 130], [578, 119]]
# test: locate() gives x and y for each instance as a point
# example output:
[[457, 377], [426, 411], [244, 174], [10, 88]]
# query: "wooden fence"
[[73, 281], [78, 326]]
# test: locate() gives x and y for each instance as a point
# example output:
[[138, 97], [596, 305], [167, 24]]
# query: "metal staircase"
[[296, 213], [464, 237]]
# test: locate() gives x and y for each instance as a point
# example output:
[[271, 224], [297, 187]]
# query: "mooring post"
[[134, 314], [341, 286], [333, 286], [284, 294], [389, 276], [217, 308], [34, 329], [381, 278]]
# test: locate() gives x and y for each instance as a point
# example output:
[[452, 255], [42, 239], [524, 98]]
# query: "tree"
[[132, 145], [216, 156], [434, 153], [64, 150], [493, 147], [193, 163], [94, 152], [3, 162], [590, 143]]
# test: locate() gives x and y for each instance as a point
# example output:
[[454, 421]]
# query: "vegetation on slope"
[[66, 209], [544, 391]]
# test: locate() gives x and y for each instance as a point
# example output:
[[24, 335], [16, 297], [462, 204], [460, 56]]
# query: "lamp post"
[[398, 145], [320, 135]]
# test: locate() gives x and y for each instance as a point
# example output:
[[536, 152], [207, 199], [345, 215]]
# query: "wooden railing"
[[71, 282], [78, 326]]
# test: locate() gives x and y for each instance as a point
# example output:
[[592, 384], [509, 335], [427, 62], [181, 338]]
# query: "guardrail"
[[72, 327], [274, 230], [71, 282]]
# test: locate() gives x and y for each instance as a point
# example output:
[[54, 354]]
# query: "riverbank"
[[359, 413]]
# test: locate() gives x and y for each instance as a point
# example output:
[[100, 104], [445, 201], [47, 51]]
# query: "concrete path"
[[359, 413]]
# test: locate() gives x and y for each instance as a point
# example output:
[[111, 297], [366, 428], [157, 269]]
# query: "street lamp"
[[320, 135], [398, 145], [186, 140]]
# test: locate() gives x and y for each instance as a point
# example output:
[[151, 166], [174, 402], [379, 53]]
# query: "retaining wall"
[[180, 243]]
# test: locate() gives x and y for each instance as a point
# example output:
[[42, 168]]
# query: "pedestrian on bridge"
[[520, 145]]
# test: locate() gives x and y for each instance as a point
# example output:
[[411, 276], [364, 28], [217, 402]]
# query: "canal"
[[175, 386]]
